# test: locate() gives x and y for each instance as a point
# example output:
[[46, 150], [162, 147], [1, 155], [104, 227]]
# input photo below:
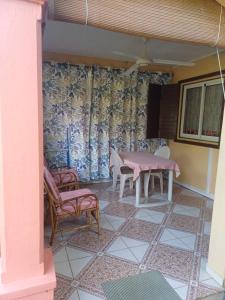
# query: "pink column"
[[26, 268]]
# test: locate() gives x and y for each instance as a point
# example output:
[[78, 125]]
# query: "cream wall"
[[198, 164]]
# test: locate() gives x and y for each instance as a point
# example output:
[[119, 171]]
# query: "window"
[[201, 110]]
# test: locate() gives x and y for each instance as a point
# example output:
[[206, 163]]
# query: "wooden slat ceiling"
[[177, 20]]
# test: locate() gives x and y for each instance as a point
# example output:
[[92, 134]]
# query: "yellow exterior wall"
[[193, 160], [215, 156]]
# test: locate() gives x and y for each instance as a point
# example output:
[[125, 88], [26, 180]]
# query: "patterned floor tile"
[[209, 203], [70, 261], [205, 245], [207, 228], [128, 249], [183, 222], [204, 277], [150, 216], [120, 209], [171, 261], [162, 208], [180, 287], [203, 291], [138, 229], [103, 269], [90, 240], [186, 192], [190, 200], [179, 239], [186, 210], [208, 214], [111, 222], [63, 287], [103, 204], [134, 240], [74, 296], [86, 296]]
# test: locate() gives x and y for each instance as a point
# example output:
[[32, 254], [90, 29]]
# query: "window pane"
[[212, 110], [192, 110]]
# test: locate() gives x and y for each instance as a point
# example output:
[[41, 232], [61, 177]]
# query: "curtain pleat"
[[99, 108]]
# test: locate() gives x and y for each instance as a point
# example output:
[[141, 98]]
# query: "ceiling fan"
[[142, 61]]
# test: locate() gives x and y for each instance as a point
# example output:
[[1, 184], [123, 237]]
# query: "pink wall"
[[21, 145]]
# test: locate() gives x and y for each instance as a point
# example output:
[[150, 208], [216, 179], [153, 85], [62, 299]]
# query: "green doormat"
[[145, 286]]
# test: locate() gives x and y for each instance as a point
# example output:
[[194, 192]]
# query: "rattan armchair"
[[66, 179], [70, 204]]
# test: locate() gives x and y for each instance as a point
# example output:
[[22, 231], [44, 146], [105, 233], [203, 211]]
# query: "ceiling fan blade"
[[172, 62], [131, 69], [125, 55]]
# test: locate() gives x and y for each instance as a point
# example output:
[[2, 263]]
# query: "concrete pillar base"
[[35, 288]]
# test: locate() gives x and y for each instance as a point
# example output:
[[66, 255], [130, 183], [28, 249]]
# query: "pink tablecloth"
[[143, 161]]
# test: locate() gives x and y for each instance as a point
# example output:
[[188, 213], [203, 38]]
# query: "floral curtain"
[[91, 109]]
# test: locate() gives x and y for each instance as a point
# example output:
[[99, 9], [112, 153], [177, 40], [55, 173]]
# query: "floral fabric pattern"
[[87, 110]]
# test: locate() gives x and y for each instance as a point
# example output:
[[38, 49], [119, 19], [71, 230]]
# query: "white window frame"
[[199, 136]]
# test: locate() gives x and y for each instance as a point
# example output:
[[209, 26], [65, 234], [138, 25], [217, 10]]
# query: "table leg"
[[146, 183], [138, 190], [170, 185]]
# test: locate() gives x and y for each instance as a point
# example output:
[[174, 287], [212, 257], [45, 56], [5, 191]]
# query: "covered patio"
[[86, 105]]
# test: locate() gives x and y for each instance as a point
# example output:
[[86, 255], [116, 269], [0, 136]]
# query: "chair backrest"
[[116, 160], [163, 152], [51, 187]]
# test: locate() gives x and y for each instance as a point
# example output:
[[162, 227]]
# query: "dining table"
[[145, 162]]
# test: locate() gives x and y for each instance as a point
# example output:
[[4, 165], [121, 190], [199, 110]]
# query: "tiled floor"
[[171, 238]]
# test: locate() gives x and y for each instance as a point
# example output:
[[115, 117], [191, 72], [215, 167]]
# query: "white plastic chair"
[[165, 153], [119, 169]]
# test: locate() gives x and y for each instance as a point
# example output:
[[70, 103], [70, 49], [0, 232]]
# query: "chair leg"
[[131, 183], [161, 182], [96, 215], [97, 220], [54, 226], [152, 183], [88, 215], [115, 176], [122, 185]]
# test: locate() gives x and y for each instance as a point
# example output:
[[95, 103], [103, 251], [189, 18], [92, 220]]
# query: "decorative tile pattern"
[[63, 287], [207, 228], [120, 209], [150, 216], [90, 240], [128, 249], [204, 277], [171, 261], [111, 222], [190, 200], [203, 291], [186, 210], [180, 287], [103, 204], [177, 238], [70, 261], [138, 229], [183, 222], [103, 269], [208, 214], [205, 245], [186, 192], [86, 296], [172, 238], [162, 208]]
